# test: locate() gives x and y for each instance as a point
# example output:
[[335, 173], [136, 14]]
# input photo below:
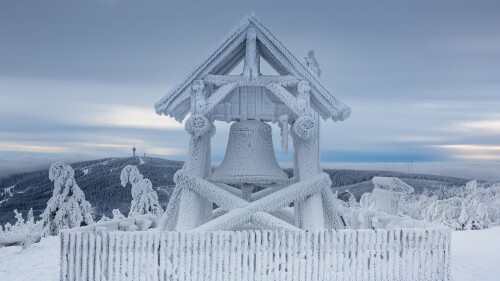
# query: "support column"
[[195, 210], [306, 145], [193, 207]]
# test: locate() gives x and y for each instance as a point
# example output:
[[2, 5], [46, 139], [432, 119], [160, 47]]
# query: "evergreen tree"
[[67, 208], [144, 198]]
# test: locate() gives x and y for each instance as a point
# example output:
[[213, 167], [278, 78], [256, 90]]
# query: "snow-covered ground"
[[475, 256], [40, 262]]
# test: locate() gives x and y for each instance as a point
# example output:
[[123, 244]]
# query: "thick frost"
[[67, 208], [144, 198]]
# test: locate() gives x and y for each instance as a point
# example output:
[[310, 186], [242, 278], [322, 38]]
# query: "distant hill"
[[100, 181], [359, 182]]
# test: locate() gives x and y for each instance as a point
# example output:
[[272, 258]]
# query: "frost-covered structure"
[[389, 192], [296, 98], [247, 220], [144, 198], [67, 208]]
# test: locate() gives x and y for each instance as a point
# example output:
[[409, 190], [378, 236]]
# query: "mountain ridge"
[[100, 181]]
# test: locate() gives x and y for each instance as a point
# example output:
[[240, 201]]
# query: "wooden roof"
[[229, 53]]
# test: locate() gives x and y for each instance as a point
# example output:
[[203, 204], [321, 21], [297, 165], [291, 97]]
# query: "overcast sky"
[[79, 80]]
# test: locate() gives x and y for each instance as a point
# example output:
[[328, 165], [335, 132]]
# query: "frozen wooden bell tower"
[[249, 188]]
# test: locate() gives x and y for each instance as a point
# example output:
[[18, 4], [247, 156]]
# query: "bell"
[[249, 157]]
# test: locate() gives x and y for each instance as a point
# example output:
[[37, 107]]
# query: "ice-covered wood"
[[398, 254], [194, 209], [216, 97], [225, 199], [284, 96], [261, 80], [277, 200], [252, 61], [268, 221], [295, 99], [249, 41]]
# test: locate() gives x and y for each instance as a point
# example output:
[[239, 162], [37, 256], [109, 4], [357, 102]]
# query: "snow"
[[475, 256], [39, 262], [85, 171]]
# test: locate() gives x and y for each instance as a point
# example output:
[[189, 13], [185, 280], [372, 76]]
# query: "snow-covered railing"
[[137, 223], [365, 254]]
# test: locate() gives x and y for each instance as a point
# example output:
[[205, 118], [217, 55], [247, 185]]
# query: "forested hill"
[[100, 181]]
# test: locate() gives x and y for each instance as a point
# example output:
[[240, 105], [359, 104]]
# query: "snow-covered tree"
[[352, 201], [19, 219], [144, 198], [67, 208], [30, 219], [117, 215], [104, 218], [367, 201]]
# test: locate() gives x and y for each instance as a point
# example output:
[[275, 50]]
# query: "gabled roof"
[[231, 50]]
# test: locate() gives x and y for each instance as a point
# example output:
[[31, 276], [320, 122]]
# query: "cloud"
[[491, 126], [32, 147], [126, 116]]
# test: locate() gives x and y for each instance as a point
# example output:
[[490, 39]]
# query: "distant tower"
[[133, 150]]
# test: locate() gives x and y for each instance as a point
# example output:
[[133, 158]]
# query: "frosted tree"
[[352, 201], [117, 215], [7, 227], [67, 208], [144, 198], [104, 218], [367, 201], [30, 219], [19, 219]]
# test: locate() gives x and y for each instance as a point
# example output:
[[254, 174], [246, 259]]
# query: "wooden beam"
[[261, 80], [224, 199], [286, 97], [268, 221], [216, 97], [279, 200]]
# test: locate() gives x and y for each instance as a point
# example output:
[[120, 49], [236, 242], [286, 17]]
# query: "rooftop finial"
[[312, 63]]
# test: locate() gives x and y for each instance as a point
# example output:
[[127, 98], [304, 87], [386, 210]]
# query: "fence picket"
[[372, 255]]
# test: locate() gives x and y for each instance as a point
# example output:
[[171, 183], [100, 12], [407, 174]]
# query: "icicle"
[[284, 133]]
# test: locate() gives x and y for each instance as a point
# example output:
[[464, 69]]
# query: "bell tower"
[[249, 188]]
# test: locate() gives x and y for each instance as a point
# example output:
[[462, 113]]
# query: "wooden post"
[[252, 58], [306, 145], [195, 210]]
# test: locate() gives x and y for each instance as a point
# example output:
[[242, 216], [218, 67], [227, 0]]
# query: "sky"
[[79, 80]]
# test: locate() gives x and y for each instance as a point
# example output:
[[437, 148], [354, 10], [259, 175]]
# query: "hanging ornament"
[[283, 123]]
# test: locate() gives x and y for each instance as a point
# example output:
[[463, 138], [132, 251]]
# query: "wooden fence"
[[385, 254]]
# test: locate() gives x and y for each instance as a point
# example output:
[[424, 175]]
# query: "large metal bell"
[[249, 156]]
